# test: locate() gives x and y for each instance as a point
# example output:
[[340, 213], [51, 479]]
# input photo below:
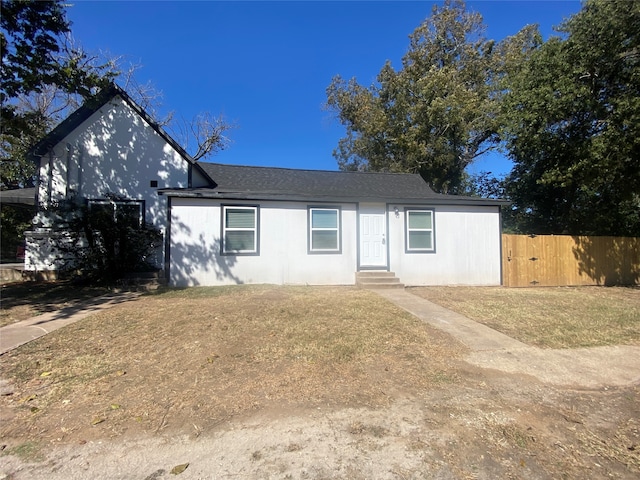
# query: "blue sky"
[[265, 65]]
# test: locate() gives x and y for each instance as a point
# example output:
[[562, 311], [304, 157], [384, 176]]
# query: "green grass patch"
[[28, 451]]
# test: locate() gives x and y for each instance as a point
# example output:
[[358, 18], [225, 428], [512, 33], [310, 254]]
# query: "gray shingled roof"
[[233, 178], [265, 183]]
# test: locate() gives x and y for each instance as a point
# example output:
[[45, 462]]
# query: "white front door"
[[373, 242]]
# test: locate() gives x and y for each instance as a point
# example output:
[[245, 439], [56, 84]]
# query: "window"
[[240, 230], [129, 212], [324, 230], [419, 231]]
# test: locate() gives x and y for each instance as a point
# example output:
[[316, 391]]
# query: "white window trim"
[[253, 251], [407, 212], [324, 229]]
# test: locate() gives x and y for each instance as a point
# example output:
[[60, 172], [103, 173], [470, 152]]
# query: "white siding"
[[283, 247], [116, 151], [467, 248], [113, 151]]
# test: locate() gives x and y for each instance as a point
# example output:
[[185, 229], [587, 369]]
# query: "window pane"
[[420, 220], [324, 219], [420, 240], [324, 240], [101, 209], [239, 241], [128, 214], [240, 218], [101, 216]]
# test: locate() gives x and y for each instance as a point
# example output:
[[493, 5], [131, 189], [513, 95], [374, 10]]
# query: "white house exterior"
[[467, 253], [382, 221], [228, 224], [282, 257], [110, 147]]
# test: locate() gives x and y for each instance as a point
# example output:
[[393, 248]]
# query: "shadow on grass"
[[46, 297]]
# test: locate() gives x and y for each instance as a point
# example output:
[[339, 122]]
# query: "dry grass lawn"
[[22, 300], [549, 317], [199, 356], [360, 379]]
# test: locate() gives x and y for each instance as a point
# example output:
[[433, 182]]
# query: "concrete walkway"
[[19, 333], [582, 367], [474, 335]]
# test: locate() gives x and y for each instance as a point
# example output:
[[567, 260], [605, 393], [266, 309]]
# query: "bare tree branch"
[[204, 136]]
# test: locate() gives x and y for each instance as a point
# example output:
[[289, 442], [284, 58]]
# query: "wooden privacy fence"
[[557, 260]]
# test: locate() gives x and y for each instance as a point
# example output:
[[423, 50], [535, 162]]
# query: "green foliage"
[[437, 113], [37, 62], [572, 126], [102, 244], [35, 55], [483, 185], [29, 39], [16, 169], [14, 221]]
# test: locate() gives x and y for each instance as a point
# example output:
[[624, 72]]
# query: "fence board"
[[556, 260]]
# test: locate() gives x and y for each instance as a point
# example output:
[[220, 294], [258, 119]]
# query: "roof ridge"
[[94, 103], [306, 169]]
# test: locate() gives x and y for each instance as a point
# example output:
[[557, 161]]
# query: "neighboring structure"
[[228, 224]]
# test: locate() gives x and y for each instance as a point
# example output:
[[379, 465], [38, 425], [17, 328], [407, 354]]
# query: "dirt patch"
[[495, 426], [275, 382]]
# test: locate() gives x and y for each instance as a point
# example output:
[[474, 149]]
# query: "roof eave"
[[19, 196], [73, 121], [257, 196], [91, 106]]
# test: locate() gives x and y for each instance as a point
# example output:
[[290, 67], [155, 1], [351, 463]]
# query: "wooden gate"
[[557, 260]]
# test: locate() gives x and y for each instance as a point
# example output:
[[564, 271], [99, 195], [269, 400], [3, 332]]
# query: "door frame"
[[373, 208]]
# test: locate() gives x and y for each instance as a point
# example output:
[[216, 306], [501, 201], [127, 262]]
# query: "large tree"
[[437, 113], [572, 126], [46, 75], [29, 33], [39, 65], [41, 72]]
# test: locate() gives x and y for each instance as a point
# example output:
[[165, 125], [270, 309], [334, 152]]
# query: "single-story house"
[[228, 224]]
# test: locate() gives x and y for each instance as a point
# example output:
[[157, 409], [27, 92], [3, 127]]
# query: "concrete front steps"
[[377, 279]]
